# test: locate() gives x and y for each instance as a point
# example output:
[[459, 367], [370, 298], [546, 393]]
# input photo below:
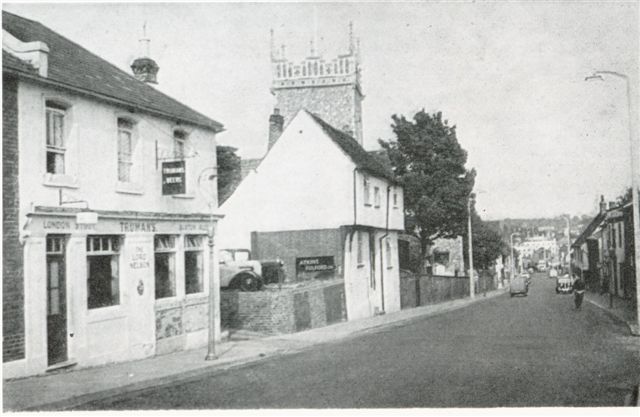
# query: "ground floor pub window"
[[165, 264], [193, 264], [103, 283]]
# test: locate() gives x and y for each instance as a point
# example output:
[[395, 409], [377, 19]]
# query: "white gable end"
[[304, 182]]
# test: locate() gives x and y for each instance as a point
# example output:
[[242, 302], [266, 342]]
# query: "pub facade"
[[112, 197]]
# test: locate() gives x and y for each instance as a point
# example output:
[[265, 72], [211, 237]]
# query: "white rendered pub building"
[[109, 202]]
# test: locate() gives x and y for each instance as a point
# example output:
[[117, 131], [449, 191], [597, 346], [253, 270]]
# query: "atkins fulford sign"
[[173, 178]]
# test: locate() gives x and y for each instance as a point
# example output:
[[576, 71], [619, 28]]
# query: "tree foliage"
[[229, 171], [625, 198], [430, 164]]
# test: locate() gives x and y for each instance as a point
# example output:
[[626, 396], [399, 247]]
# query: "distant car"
[[542, 266], [518, 286], [564, 285], [553, 273]]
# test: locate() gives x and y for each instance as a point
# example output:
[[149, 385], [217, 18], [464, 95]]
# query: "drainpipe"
[[355, 190], [355, 210], [386, 233]]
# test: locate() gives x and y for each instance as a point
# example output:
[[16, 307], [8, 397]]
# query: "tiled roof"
[[588, 231], [75, 67], [355, 151], [247, 165], [16, 63]]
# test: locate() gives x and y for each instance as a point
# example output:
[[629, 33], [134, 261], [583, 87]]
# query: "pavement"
[[622, 309], [66, 389]]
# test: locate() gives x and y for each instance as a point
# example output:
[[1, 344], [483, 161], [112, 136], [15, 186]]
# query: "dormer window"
[[56, 138]]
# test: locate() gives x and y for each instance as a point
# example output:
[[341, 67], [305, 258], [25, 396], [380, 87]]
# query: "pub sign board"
[[173, 178], [315, 267]]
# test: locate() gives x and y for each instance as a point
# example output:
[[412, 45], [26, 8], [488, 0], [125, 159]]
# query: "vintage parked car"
[[518, 286], [564, 285], [239, 271]]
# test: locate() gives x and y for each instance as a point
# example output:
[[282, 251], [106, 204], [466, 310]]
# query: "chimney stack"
[[276, 125], [603, 205]]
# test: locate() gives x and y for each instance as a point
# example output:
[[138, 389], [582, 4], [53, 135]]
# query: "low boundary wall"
[[418, 290], [286, 309]]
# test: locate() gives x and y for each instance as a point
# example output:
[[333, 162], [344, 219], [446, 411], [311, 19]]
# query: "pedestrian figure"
[[578, 291]]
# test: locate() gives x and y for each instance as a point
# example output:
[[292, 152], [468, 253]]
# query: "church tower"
[[329, 88]]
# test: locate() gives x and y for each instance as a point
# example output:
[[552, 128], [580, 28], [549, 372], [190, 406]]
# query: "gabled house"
[[106, 215], [604, 252], [317, 194]]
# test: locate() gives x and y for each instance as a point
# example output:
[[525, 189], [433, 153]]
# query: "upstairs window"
[[395, 199], [56, 146], [179, 140], [367, 192], [376, 197], [125, 149]]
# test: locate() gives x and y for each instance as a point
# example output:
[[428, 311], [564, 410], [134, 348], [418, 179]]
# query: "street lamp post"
[[568, 220], [632, 113], [208, 186], [471, 281]]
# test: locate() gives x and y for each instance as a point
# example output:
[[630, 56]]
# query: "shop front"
[[113, 286]]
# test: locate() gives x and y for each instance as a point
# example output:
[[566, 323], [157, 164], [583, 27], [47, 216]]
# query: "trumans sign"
[[173, 178]]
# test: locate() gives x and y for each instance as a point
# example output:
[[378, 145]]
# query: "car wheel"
[[248, 282]]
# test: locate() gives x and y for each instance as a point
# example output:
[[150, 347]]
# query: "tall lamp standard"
[[470, 236], [513, 261], [207, 185], [568, 220], [632, 113]]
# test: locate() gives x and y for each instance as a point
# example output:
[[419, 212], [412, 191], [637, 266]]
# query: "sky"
[[509, 75]]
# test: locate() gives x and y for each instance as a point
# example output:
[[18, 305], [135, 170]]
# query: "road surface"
[[503, 352]]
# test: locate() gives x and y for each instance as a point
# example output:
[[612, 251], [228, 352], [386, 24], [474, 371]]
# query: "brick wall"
[[284, 310], [289, 245], [425, 289], [12, 256]]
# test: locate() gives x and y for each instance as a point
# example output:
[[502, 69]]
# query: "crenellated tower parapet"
[[330, 87]]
